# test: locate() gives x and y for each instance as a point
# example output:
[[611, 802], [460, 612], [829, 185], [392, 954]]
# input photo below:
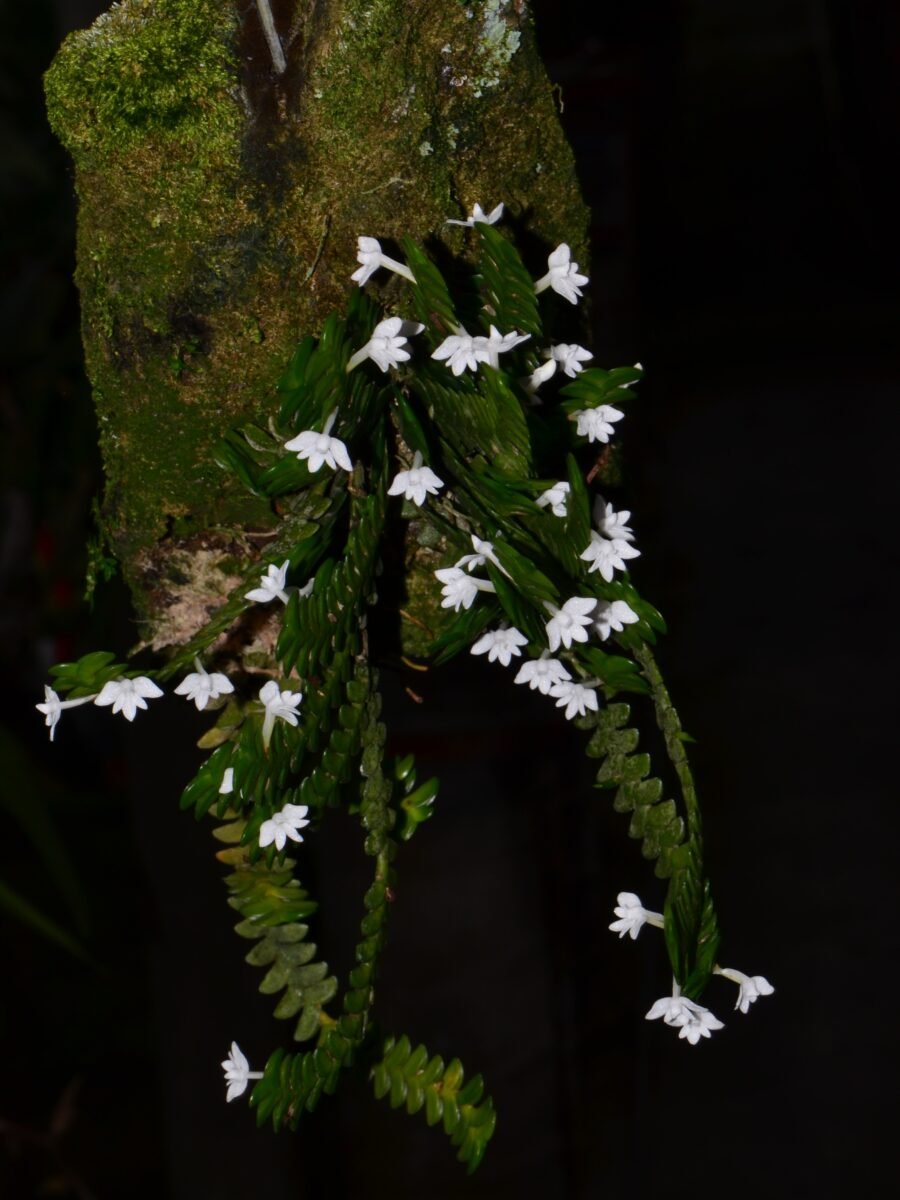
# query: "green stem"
[[670, 726]]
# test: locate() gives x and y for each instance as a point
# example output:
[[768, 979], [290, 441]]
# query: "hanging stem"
[[670, 725], [273, 40]]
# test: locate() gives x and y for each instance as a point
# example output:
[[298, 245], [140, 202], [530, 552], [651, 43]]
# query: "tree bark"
[[220, 202]]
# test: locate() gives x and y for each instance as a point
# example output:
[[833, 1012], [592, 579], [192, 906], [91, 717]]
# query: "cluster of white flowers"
[[460, 587], [691, 1019], [461, 351], [611, 542]]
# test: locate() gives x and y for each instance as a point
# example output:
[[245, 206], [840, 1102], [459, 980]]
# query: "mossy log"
[[219, 204]]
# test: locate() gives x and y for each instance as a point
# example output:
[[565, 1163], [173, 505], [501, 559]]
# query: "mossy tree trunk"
[[220, 202]]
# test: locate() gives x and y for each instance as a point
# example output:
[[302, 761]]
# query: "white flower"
[[369, 254], [319, 448], [416, 483], [691, 1019], [608, 554], [569, 357], [500, 645], [477, 215], [460, 351], [460, 589], [613, 524], [484, 551], [488, 349], [202, 687], [750, 987], [542, 373], [271, 585], [612, 617], [575, 698], [542, 673], [237, 1073], [556, 497], [387, 345], [563, 275], [226, 787], [278, 704], [53, 706], [283, 825], [595, 423], [128, 695], [567, 624], [633, 916]]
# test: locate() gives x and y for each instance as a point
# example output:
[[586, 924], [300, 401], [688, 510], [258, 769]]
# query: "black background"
[[740, 162]]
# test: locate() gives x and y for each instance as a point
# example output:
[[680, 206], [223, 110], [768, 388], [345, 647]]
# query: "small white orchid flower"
[[692, 1020], [237, 1073], [575, 698], [369, 254], [608, 554], [271, 585], [611, 523], [542, 673], [279, 706], [416, 483], [53, 706], [201, 687], [460, 350], [460, 588], [570, 357], [128, 695], [387, 345], [226, 787], [500, 645], [568, 624], [319, 448], [563, 275], [612, 617], [596, 423], [633, 916], [556, 497], [477, 216], [750, 987], [540, 375], [283, 825], [488, 349], [484, 551]]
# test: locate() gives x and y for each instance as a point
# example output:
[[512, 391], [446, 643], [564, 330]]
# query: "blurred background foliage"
[[740, 161]]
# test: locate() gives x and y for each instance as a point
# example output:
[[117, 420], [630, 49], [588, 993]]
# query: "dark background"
[[740, 161]]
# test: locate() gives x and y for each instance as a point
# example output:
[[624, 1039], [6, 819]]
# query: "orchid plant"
[[488, 443]]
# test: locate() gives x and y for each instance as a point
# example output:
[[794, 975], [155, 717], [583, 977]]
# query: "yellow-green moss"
[[218, 221]]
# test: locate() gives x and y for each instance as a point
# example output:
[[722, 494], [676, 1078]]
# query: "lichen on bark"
[[219, 206]]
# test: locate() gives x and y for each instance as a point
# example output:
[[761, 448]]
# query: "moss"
[[219, 211]]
